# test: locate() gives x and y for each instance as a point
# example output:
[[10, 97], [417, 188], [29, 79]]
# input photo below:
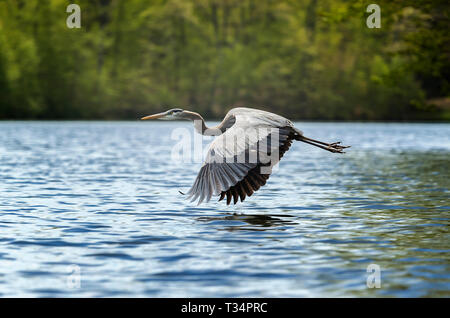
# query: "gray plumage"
[[239, 161]]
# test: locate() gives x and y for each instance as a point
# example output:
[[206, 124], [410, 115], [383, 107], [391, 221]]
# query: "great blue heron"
[[240, 159]]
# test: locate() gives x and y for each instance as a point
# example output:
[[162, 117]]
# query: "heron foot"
[[335, 147]]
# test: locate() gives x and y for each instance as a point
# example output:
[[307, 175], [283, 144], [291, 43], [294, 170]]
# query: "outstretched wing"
[[240, 160]]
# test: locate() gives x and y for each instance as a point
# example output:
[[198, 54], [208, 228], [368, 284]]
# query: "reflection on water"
[[104, 197], [251, 222]]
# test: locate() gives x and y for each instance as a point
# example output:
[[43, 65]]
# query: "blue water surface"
[[93, 209]]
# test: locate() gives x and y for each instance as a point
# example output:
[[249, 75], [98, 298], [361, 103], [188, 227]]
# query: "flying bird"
[[239, 161]]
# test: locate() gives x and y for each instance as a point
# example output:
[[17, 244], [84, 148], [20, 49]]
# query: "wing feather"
[[228, 170]]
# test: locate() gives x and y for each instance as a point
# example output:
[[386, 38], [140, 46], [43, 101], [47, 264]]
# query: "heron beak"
[[155, 116]]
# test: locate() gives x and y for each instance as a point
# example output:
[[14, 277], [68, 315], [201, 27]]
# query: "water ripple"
[[99, 201]]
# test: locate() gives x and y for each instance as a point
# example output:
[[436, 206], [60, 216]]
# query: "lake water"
[[93, 209]]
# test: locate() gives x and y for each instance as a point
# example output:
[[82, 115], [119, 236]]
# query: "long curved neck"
[[199, 124]]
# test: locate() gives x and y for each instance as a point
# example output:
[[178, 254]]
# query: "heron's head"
[[171, 114]]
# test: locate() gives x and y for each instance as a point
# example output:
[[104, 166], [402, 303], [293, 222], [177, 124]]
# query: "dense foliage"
[[307, 59]]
